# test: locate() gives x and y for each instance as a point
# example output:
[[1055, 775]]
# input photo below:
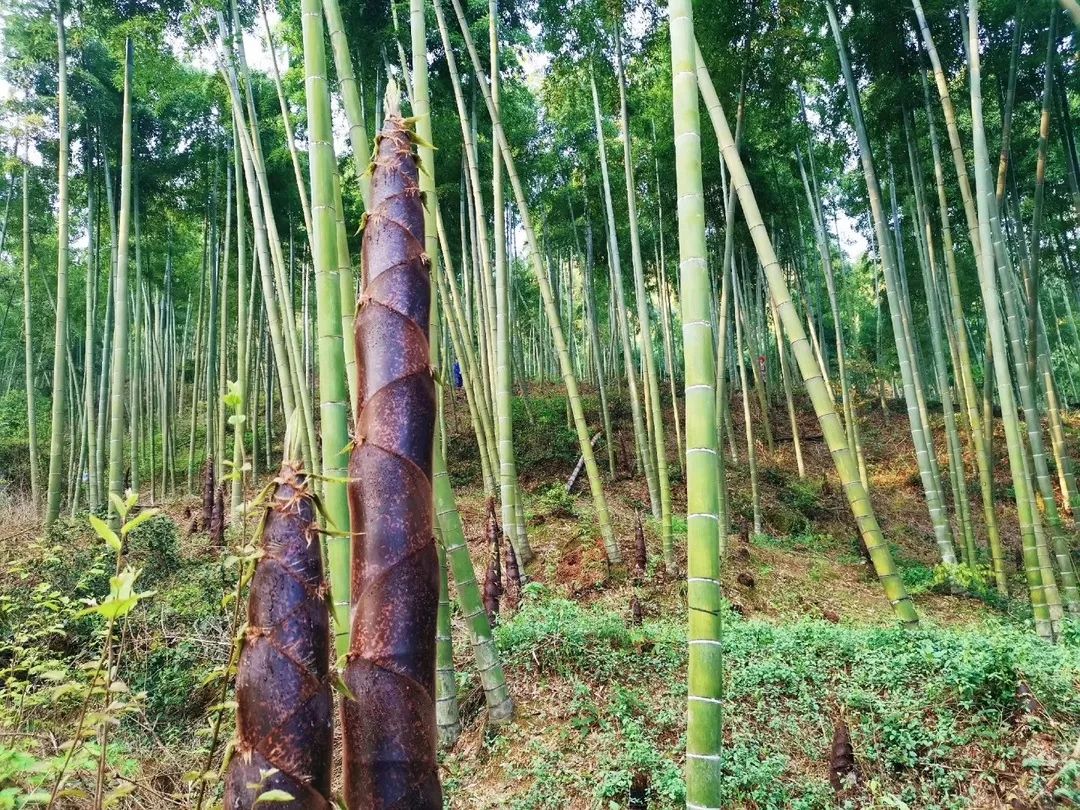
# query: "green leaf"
[[113, 796], [336, 479], [339, 685], [138, 520], [232, 398], [122, 597], [213, 675], [274, 796], [118, 505], [105, 533]]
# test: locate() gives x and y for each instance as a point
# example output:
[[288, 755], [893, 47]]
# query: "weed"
[[803, 494], [155, 545], [926, 708], [555, 501]]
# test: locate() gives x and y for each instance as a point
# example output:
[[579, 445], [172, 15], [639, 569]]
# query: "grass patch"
[[934, 714]]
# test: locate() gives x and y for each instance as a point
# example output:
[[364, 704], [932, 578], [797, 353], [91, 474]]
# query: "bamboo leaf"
[[340, 686]]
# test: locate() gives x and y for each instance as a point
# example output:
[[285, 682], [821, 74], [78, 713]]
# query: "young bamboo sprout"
[[209, 486], [217, 518], [284, 724], [389, 723], [641, 559], [493, 588], [512, 579]]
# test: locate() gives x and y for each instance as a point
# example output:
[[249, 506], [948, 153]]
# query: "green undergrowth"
[[166, 648], [937, 717]]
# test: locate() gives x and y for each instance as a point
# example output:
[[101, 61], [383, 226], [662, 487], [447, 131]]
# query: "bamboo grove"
[[709, 224]]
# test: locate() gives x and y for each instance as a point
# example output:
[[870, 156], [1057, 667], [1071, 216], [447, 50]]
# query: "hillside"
[[970, 710]]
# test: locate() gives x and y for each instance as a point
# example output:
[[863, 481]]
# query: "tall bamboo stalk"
[[477, 283], [594, 342], [286, 121], [648, 359], [831, 425], [333, 390], [985, 260], [817, 215], [965, 373], [212, 322], [118, 379], [504, 428], [350, 97], [922, 440], [58, 436], [645, 455], [28, 348], [89, 410], [748, 424], [260, 197], [704, 726], [283, 359], [924, 239], [603, 517], [223, 329], [242, 330]]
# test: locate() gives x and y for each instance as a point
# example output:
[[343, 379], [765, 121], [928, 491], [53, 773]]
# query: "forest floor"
[[970, 710]]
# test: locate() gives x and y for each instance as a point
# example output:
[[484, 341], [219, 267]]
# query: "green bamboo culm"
[[301, 186], [118, 370], [58, 437], [274, 326], [741, 328], [504, 427], [603, 516], [973, 419], [927, 260], [447, 716], [474, 359], [892, 270], [488, 664], [28, 348], [704, 730], [211, 364], [333, 389], [985, 260], [242, 327], [268, 241], [350, 98], [451, 531], [93, 492], [648, 359], [847, 467], [641, 433], [453, 551]]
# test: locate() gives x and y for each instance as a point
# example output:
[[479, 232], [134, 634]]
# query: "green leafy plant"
[[118, 701], [555, 501]]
